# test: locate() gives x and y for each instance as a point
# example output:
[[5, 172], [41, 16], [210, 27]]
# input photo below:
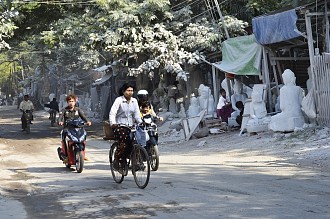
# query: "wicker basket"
[[108, 131]]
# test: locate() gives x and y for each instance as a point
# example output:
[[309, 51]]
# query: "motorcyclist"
[[143, 98], [53, 106], [26, 104], [68, 113]]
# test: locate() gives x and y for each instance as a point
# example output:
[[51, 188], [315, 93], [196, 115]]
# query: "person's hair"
[[124, 88], [70, 97], [145, 104], [54, 99], [222, 90], [239, 105], [26, 95]]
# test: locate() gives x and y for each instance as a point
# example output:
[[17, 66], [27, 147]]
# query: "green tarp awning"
[[241, 56]]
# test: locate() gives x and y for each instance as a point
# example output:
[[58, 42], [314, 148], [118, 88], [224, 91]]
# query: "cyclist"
[[53, 106], [125, 110]]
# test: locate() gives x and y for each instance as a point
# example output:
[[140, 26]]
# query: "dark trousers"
[[23, 121]]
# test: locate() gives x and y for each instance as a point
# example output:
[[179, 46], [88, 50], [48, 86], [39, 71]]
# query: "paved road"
[[222, 179]]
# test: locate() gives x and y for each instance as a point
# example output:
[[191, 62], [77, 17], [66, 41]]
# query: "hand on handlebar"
[[89, 123], [60, 123]]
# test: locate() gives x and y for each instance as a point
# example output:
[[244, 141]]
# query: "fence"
[[322, 88]]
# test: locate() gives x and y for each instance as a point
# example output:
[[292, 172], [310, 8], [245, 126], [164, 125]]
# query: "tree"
[[7, 26], [159, 35]]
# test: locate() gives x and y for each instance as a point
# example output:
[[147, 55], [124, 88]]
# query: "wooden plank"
[[190, 124]]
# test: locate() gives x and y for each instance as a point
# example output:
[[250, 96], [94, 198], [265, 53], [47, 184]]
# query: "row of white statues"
[[290, 117]]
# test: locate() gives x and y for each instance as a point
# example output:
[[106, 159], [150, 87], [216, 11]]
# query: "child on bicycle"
[[149, 120]]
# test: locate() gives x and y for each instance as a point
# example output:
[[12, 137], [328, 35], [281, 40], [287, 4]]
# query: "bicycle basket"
[[108, 131]]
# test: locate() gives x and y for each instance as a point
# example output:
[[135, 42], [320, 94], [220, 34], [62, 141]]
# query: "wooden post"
[[327, 38], [273, 63], [309, 33], [266, 76], [215, 85]]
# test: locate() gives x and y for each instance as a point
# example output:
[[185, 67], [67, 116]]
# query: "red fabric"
[[224, 113]]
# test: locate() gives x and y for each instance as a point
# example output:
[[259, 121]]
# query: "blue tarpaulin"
[[276, 28]]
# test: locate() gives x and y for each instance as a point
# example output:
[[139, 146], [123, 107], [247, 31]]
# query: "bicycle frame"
[[138, 158]]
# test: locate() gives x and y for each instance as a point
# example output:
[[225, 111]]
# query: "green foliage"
[[7, 26], [79, 36], [247, 9]]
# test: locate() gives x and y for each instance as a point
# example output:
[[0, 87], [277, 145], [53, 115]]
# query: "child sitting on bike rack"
[[150, 126]]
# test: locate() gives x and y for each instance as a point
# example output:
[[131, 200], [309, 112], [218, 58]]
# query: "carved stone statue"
[[258, 120], [194, 107], [291, 115], [158, 96], [224, 85], [236, 97], [205, 99]]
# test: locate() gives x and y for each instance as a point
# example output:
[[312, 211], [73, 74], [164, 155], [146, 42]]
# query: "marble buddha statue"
[[194, 107], [258, 120], [291, 96], [236, 97], [205, 99]]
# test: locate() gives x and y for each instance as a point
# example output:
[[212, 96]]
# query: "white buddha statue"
[[194, 107], [224, 85], [291, 115], [237, 96], [205, 99], [258, 119]]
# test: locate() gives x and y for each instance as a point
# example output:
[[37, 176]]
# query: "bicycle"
[[138, 158]]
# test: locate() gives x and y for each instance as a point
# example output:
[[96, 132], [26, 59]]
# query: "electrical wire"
[[54, 2]]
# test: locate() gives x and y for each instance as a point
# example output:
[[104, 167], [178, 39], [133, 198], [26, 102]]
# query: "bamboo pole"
[[311, 59], [266, 76]]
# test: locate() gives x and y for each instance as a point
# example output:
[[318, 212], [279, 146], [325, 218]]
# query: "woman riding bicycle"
[[124, 111]]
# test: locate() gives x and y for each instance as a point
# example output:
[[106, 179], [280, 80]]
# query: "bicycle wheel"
[[154, 157], [79, 158], [117, 177], [140, 166]]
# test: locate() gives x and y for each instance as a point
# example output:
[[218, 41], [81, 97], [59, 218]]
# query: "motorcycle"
[[27, 118], [74, 146], [152, 142]]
